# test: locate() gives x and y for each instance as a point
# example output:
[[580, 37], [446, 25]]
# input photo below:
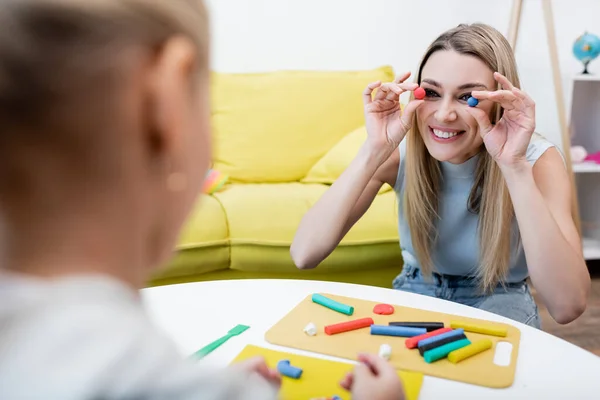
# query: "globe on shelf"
[[586, 48]]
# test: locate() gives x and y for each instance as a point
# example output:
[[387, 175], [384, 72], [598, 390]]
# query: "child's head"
[[104, 124], [459, 61]]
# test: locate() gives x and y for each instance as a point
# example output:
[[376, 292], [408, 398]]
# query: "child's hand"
[[258, 365], [375, 379]]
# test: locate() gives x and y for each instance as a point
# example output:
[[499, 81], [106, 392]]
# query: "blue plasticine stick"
[[390, 330], [433, 339], [332, 304], [286, 369]]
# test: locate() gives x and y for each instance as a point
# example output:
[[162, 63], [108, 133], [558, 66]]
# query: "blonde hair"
[[62, 65], [489, 195]]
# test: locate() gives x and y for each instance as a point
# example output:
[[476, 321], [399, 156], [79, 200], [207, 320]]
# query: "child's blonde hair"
[[62, 66]]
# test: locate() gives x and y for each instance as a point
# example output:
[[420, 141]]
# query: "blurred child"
[[104, 145]]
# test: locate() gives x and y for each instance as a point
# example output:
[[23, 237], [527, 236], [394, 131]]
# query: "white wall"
[[266, 35]]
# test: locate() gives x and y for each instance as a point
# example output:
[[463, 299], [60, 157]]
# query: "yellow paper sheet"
[[320, 377]]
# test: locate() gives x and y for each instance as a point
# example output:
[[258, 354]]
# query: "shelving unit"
[[591, 249], [585, 131], [584, 167]]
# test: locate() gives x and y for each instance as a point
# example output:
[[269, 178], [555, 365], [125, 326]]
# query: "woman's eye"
[[465, 96], [430, 93]]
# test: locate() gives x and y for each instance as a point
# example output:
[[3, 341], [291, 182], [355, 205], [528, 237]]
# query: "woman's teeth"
[[444, 135]]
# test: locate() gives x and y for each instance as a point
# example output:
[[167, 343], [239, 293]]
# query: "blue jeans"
[[513, 301]]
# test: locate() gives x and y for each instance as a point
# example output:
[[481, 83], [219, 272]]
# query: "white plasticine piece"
[[385, 351], [310, 329]]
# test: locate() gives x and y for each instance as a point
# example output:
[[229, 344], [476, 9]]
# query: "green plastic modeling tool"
[[212, 346]]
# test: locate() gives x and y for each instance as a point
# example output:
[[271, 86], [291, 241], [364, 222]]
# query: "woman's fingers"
[[367, 93], [521, 95], [483, 121], [388, 91], [405, 86], [407, 115], [528, 101], [392, 91], [402, 77], [502, 80], [506, 98]]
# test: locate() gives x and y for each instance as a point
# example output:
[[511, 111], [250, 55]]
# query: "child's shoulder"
[[73, 337], [89, 337]]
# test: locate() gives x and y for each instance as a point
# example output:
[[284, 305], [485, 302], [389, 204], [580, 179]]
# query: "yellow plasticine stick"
[[486, 330], [474, 348]]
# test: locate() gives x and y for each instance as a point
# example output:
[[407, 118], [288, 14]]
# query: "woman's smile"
[[443, 134]]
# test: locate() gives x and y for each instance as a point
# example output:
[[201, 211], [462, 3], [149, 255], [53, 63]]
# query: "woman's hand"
[[507, 140], [386, 124]]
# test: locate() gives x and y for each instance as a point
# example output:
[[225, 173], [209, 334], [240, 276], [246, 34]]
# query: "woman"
[[484, 202]]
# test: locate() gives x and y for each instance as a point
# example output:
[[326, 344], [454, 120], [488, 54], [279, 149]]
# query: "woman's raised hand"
[[386, 123], [508, 139]]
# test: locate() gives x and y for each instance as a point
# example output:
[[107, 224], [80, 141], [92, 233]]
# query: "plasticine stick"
[[442, 351], [332, 304], [429, 346], [451, 333], [474, 348], [486, 330], [396, 331], [348, 326], [430, 326], [286, 369], [413, 342], [440, 340]]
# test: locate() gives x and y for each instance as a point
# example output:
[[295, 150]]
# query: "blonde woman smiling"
[[483, 201]]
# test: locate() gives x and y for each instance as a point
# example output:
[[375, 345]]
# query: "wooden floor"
[[582, 332]]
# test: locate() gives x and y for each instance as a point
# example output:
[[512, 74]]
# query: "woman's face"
[[448, 130]]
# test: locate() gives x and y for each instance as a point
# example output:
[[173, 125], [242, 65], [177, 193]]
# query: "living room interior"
[[287, 119]]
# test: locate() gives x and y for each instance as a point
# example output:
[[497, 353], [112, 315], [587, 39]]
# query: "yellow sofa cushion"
[[328, 169], [203, 245], [274, 126], [263, 219]]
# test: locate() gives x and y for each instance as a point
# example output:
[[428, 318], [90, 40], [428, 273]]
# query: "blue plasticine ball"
[[472, 102]]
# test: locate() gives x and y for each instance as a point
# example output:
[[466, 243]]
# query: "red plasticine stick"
[[412, 342], [348, 326]]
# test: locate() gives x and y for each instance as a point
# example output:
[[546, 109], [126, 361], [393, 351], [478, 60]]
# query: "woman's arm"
[[342, 205], [541, 195], [332, 216]]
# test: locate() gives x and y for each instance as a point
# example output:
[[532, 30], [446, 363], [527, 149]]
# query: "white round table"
[[195, 314]]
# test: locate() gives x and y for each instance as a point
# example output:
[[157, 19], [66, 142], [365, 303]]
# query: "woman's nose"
[[445, 112]]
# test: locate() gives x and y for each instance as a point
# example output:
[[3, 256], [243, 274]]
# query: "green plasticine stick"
[[332, 304], [442, 351]]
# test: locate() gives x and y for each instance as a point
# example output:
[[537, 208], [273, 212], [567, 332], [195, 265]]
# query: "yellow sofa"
[[282, 138]]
